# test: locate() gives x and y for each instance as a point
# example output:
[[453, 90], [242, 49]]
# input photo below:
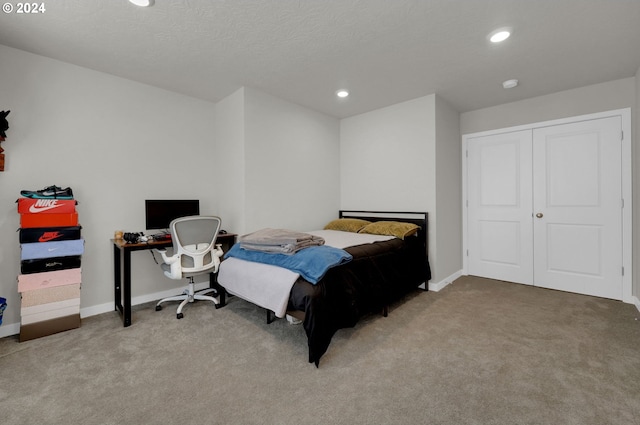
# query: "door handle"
[[539, 215]]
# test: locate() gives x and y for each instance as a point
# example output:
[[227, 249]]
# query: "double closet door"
[[545, 207]]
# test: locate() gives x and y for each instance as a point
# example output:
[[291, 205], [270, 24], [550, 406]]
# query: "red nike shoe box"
[[48, 220], [49, 234], [46, 206]]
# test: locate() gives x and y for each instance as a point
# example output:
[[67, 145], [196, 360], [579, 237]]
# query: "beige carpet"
[[478, 352]]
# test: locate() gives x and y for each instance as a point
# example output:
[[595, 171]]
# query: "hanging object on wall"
[[4, 126]]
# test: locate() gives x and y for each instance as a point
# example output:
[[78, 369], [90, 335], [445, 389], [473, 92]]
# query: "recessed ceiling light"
[[509, 84], [142, 3], [342, 93], [499, 35]]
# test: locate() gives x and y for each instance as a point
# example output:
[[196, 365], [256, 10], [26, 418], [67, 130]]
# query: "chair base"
[[188, 296]]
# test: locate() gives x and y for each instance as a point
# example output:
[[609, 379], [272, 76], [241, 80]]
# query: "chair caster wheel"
[[158, 307], [179, 316]]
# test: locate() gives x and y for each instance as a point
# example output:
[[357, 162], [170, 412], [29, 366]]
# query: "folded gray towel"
[[279, 240]]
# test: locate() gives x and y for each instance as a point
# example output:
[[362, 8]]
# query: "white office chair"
[[194, 253]]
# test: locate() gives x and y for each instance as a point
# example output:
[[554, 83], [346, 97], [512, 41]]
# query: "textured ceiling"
[[383, 51]]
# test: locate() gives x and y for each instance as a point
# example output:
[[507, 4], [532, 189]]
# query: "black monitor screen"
[[159, 213]]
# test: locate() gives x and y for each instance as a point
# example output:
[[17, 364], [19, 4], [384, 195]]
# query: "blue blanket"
[[311, 263]]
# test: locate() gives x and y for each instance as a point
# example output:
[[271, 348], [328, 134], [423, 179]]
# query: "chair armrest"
[[175, 271], [166, 259]]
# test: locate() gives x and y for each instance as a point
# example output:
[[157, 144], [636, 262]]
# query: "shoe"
[[51, 192]]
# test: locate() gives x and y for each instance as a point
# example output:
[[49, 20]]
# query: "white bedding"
[[269, 286], [342, 240], [261, 284]]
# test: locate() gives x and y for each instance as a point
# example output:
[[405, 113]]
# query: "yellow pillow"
[[391, 228], [347, 224]]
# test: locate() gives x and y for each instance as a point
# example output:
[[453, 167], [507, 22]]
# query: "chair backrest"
[[194, 239]]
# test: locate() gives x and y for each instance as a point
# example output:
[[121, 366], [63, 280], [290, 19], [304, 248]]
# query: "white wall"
[[607, 96], [387, 158], [229, 165], [602, 97], [292, 173], [116, 143], [388, 163], [448, 192]]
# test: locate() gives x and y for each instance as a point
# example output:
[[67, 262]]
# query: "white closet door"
[[499, 207], [577, 207]]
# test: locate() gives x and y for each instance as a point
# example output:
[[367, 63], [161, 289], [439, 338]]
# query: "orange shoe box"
[[48, 220], [46, 206]]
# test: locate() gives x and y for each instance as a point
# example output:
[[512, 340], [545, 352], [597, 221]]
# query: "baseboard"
[[636, 302], [438, 286], [14, 328], [141, 299]]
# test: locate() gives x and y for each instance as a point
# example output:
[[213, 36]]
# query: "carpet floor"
[[478, 352]]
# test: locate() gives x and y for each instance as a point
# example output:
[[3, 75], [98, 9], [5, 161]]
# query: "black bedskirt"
[[379, 274]]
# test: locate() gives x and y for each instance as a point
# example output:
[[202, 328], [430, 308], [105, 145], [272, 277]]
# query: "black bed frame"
[[419, 218]]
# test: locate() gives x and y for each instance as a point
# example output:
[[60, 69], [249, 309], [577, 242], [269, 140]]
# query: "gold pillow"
[[391, 228], [347, 224]]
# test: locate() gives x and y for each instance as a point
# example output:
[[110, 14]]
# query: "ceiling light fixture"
[[342, 93], [509, 84], [500, 35], [142, 3]]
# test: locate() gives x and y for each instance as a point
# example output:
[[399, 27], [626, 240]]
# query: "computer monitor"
[[159, 213]]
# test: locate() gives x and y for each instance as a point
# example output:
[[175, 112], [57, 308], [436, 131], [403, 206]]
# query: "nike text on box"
[[48, 220], [46, 206]]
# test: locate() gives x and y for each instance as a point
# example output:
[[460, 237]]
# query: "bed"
[[382, 268]]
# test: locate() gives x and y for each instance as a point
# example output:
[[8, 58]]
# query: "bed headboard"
[[419, 218]]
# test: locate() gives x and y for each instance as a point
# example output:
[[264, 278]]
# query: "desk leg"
[[117, 277], [122, 283], [213, 283], [126, 313]]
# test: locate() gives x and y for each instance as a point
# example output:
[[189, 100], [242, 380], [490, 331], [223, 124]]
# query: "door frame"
[[627, 213]]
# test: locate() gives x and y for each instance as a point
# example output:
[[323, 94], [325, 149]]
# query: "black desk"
[[122, 269]]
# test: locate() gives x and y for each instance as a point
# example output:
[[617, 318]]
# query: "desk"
[[122, 269]]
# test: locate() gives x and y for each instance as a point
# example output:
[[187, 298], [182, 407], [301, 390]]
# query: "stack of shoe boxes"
[[49, 284]]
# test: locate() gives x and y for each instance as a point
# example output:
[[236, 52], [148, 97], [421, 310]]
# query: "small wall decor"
[[4, 126]]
